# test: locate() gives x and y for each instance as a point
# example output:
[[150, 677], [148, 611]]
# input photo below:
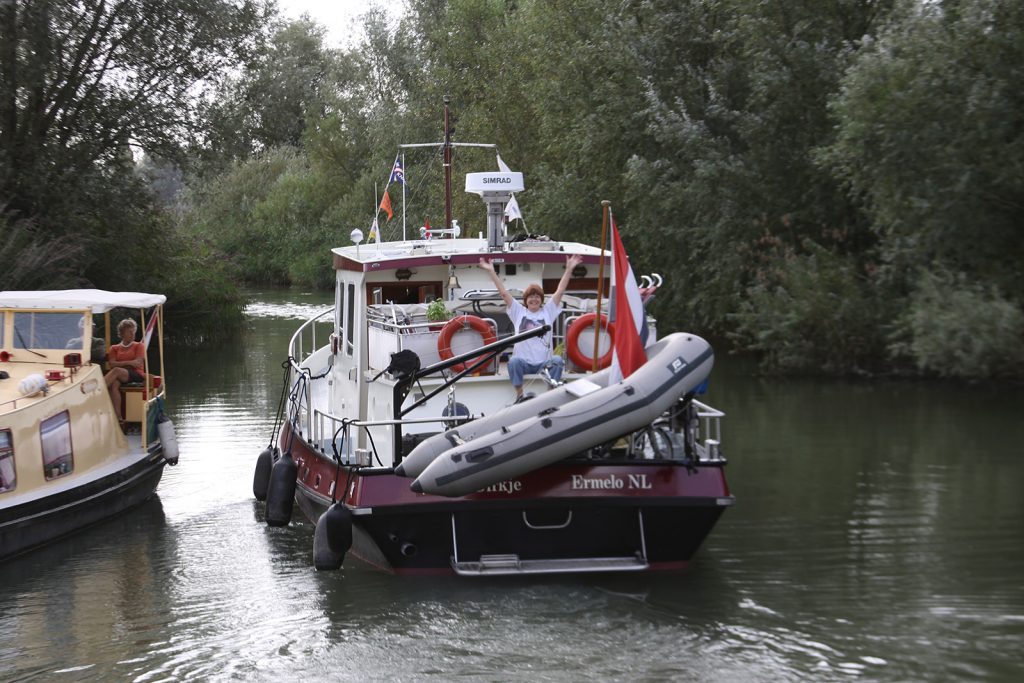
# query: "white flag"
[[512, 209], [502, 166]]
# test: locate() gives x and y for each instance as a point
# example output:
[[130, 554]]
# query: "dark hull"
[[571, 516], [32, 524]]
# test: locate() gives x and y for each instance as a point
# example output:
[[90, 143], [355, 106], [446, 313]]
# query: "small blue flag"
[[397, 174]]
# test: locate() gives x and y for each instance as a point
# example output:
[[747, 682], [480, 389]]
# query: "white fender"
[[168, 440], [32, 385]]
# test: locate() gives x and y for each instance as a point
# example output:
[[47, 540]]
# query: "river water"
[[878, 535]]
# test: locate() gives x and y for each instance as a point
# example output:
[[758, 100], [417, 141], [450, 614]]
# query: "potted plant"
[[438, 313]]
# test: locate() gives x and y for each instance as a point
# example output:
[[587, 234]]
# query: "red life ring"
[[577, 356], [462, 322]]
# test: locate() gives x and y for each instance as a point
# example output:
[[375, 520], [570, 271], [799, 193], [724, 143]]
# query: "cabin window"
[[47, 330], [339, 308], [404, 292], [8, 475], [56, 438], [350, 319]]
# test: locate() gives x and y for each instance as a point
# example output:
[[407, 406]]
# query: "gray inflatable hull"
[[676, 364], [429, 449]]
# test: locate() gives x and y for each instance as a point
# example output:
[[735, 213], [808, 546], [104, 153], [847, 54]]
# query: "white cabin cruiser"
[[402, 442]]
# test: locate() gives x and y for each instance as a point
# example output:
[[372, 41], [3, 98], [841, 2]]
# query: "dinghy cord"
[[343, 430], [279, 415], [293, 397]]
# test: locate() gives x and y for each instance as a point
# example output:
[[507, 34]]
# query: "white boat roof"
[[98, 300], [460, 251]]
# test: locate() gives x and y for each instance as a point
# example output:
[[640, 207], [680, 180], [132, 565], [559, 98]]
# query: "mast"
[[447, 167]]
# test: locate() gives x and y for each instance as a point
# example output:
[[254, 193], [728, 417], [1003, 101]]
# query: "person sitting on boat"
[[533, 355], [126, 360]]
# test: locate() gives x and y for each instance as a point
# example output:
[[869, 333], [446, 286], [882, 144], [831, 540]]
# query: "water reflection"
[[876, 537]]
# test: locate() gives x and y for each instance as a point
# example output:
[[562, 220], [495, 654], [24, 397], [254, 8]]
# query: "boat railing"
[[304, 342], [392, 329], [709, 442], [301, 346], [333, 435]]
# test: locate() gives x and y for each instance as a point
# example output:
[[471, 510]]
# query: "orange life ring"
[[462, 322], [581, 359]]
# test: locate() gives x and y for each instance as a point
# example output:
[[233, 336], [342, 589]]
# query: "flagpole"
[[403, 197], [605, 204]]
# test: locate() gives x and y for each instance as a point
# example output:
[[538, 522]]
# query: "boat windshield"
[[37, 330]]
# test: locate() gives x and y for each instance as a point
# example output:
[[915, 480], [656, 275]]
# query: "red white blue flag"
[[397, 172], [150, 326], [627, 313]]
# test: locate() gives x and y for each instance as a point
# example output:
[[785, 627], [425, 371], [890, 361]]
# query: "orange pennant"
[[385, 203]]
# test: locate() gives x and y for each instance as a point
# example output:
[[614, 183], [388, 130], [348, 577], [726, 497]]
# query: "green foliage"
[[789, 167], [283, 88], [955, 327], [736, 109], [83, 87], [812, 313], [437, 311], [30, 263], [930, 135]]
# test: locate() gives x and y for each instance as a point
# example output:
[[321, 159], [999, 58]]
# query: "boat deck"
[[11, 397]]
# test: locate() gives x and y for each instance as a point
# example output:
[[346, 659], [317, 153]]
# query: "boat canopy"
[[98, 300]]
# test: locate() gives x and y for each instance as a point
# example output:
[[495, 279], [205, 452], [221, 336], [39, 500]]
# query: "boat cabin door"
[[348, 393]]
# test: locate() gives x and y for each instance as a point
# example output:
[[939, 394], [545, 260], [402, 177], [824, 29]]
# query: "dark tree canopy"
[[833, 184]]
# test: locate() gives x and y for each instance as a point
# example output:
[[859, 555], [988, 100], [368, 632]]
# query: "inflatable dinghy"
[[676, 364], [428, 450]]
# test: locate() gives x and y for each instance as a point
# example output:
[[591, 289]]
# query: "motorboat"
[[402, 441], [67, 458]]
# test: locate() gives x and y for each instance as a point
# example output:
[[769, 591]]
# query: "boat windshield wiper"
[[24, 345]]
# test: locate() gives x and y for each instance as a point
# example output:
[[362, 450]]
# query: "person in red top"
[[126, 361]]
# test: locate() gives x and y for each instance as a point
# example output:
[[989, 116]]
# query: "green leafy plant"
[[954, 327], [437, 311]]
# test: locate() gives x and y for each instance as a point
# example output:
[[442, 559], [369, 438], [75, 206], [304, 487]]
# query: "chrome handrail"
[[296, 345]]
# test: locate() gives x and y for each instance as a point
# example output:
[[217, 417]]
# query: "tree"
[[283, 88], [84, 86], [737, 108], [931, 135], [83, 82]]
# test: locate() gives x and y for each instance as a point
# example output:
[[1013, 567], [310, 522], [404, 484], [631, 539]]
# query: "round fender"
[[169, 442], [453, 326], [281, 492], [329, 550], [261, 476], [338, 520], [572, 347]]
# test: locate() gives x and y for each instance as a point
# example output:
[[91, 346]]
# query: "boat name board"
[[612, 482], [507, 486], [579, 482]]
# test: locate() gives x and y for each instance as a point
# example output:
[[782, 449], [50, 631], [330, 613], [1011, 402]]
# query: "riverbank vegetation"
[[835, 186]]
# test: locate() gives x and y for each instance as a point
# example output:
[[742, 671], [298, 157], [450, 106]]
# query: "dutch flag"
[[627, 313]]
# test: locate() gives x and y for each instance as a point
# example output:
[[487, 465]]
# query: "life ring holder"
[[572, 337], [455, 325]]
